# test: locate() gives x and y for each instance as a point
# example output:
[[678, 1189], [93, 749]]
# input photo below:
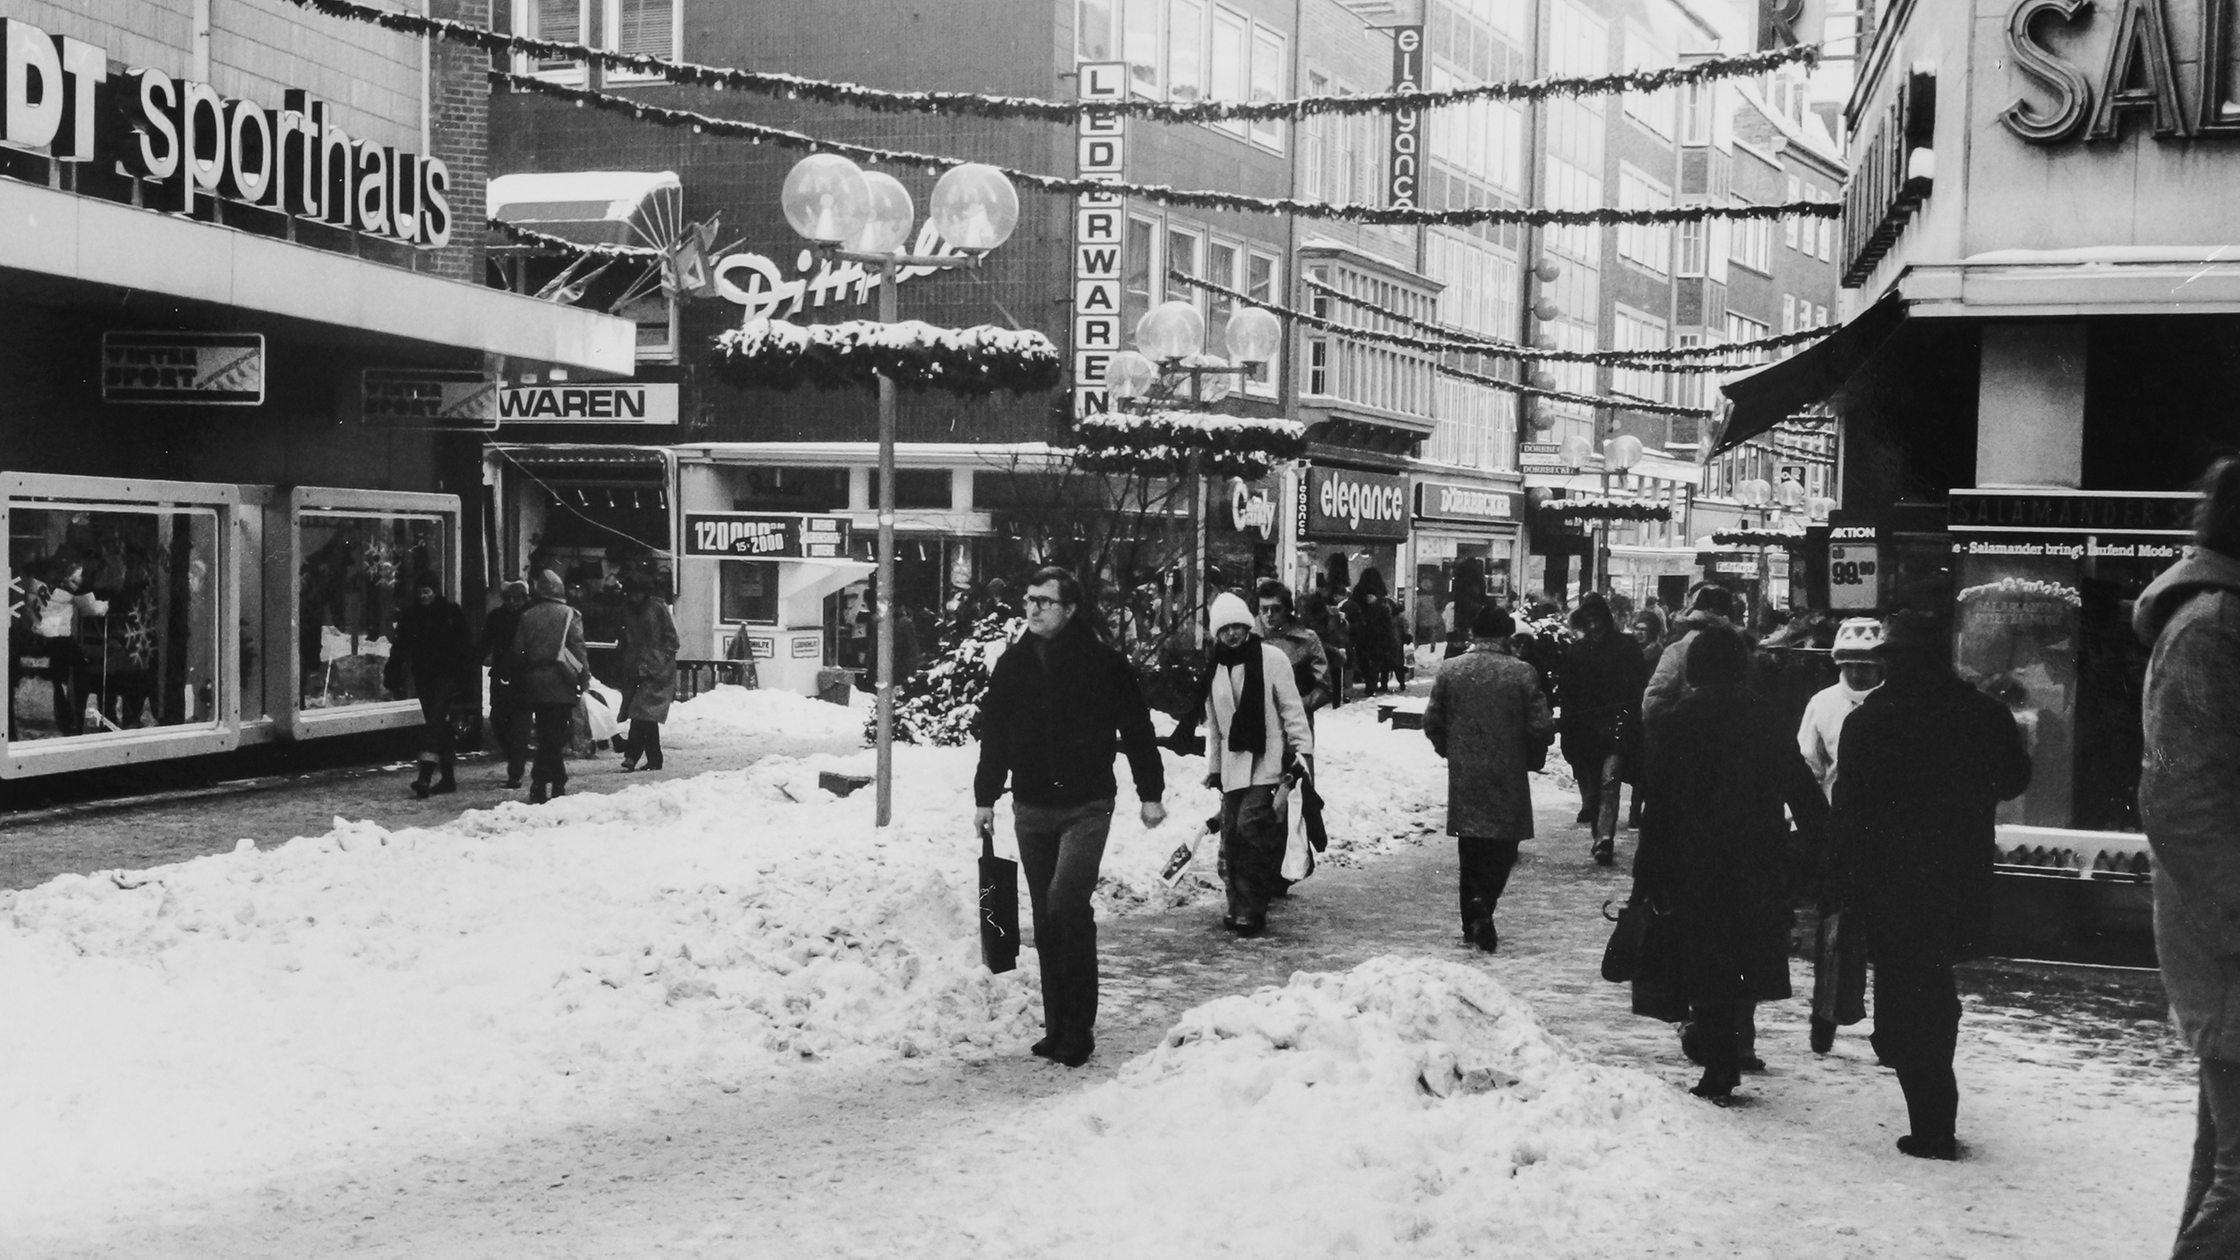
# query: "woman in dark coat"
[[433, 642], [1714, 847], [648, 649], [1376, 639], [1601, 683]]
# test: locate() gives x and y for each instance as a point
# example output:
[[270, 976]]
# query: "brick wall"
[[459, 133]]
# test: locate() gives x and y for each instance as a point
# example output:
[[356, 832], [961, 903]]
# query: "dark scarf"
[[1248, 728]]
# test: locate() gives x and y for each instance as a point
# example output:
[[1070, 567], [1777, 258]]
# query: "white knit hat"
[[1228, 610]]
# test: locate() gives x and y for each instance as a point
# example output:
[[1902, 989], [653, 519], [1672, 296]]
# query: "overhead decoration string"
[[1204, 199], [985, 105]]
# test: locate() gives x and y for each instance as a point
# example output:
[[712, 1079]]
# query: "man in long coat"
[[1487, 715], [2189, 801], [649, 670], [1926, 761]]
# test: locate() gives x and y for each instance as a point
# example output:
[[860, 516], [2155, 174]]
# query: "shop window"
[[356, 575], [921, 489], [749, 591], [114, 619]]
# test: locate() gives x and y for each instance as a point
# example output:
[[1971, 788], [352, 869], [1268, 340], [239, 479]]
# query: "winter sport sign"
[[225, 369]]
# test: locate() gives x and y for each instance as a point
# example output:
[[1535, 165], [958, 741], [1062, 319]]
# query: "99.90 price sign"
[[1853, 577]]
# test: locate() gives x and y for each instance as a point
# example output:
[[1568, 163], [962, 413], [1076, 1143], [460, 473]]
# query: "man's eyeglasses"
[[1040, 602]]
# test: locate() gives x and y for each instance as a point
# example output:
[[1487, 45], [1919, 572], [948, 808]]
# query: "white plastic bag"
[[598, 713], [1298, 851]]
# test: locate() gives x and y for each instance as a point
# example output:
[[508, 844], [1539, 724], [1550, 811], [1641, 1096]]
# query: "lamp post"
[[1619, 455], [865, 218], [1170, 342]]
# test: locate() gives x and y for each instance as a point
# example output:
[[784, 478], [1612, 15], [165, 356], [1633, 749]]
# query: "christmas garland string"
[[986, 105], [980, 360], [1202, 199], [1413, 343], [1595, 507], [1673, 359], [1177, 443]]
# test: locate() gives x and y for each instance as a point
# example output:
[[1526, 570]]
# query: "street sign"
[[222, 369], [427, 398], [1542, 457]]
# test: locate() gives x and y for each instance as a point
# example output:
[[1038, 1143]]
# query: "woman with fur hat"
[[1256, 732]]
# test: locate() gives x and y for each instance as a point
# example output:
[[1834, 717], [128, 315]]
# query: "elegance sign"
[[1406, 159], [1342, 503], [180, 135], [1099, 234]]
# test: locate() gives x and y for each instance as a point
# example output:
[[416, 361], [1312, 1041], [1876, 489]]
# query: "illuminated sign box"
[[206, 369]]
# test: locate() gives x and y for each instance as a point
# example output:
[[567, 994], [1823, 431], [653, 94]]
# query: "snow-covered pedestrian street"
[[719, 1016]]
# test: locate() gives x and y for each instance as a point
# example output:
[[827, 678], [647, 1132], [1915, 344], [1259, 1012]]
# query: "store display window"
[[354, 573], [113, 618], [749, 591]]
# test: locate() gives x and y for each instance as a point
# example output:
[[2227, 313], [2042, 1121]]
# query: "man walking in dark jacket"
[[1059, 704], [1926, 761], [433, 642]]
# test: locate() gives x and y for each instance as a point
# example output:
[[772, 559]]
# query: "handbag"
[[999, 909], [1622, 958], [578, 668]]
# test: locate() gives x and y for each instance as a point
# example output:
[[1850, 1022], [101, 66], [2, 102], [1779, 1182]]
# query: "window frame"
[[1155, 87], [1267, 133], [1221, 16]]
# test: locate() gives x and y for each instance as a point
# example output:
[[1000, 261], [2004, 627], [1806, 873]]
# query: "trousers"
[[436, 742], [1252, 840], [1485, 876], [1060, 849], [1916, 1031], [2209, 1227], [554, 726]]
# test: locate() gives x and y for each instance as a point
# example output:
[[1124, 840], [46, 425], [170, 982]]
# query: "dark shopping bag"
[[999, 909], [1622, 957]]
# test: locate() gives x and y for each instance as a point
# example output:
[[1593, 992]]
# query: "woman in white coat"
[[1256, 731]]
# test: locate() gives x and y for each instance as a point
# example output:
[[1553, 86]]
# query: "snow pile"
[[732, 712], [1408, 1104], [203, 1024]]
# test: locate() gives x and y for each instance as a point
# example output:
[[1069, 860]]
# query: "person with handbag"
[[1256, 738], [433, 643], [1714, 850], [1839, 951], [1488, 717], [554, 672], [1060, 702], [649, 670], [1601, 682]]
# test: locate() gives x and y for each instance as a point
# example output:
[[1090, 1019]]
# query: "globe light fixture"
[[887, 226], [1213, 385], [1621, 452], [1540, 421], [1130, 375], [1548, 270], [974, 207], [1545, 310], [1171, 330], [1789, 494], [826, 198], [1754, 492], [1542, 378], [1819, 506], [1575, 451], [1253, 335]]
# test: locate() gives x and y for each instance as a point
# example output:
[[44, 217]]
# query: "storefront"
[[1349, 522], [2036, 361], [244, 409], [1463, 553]]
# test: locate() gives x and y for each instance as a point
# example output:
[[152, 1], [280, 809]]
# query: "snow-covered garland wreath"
[[1164, 443], [1198, 198], [1596, 507], [2024, 588], [983, 105], [980, 360]]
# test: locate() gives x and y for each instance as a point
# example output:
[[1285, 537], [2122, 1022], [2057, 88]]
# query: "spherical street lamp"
[[1548, 270], [1753, 492], [1130, 375], [886, 227], [826, 198], [1171, 330], [1575, 451], [1621, 452], [1253, 335], [974, 207], [1545, 310], [1789, 494]]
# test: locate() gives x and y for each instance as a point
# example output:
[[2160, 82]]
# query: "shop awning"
[[593, 207], [819, 578], [1773, 393]]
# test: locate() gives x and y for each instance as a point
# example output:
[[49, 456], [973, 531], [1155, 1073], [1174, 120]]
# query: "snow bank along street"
[[185, 1040]]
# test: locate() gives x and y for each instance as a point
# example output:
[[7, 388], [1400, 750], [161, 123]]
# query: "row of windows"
[[1157, 245], [1341, 156], [1187, 51], [1647, 245], [1813, 237], [637, 27], [1632, 330], [1368, 373]]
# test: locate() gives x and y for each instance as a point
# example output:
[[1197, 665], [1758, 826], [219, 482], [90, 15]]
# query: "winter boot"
[[538, 792], [1823, 1035], [420, 785], [445, 784], [1604, 851]]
